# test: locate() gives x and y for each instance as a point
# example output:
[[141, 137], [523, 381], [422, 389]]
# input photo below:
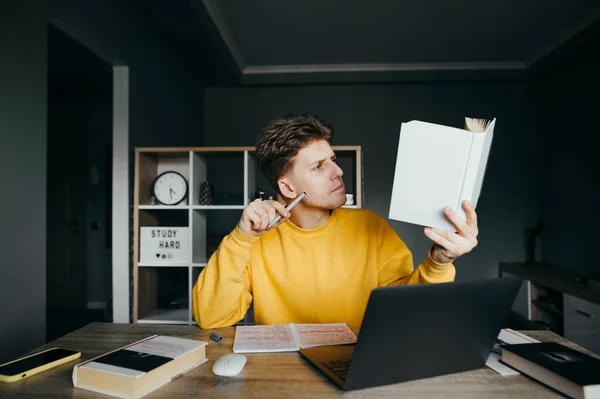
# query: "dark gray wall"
[[165, 109], [165, 96], [568, 98], [79, 118], [23, 173], [371, 115]]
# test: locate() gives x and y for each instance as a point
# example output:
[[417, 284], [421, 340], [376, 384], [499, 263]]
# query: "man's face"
[[315, 171]]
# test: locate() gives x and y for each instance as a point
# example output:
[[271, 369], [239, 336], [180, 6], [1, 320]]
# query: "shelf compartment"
[[163, 295], [225, 172], [160, 217], [542, 311], [162, 316], [164, 238], [349, 160], [151, 164], [547, 307], [257, 180], [196, 270], [194, 273], [209, 227], [199, 261]]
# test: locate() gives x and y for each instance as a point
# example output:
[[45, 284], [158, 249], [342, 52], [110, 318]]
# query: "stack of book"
[[566, 370]]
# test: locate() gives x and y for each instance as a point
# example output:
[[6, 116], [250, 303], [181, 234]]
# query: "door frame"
[[121, 304], [120, 196]]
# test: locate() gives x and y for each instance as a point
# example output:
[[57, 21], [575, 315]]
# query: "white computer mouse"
[[229, 365]]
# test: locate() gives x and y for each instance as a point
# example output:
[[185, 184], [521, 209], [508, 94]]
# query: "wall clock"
[[170, 188]]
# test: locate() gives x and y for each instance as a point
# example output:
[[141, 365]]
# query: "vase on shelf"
[[206, 193]]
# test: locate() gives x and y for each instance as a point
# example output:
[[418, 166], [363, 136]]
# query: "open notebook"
[[290, 337]]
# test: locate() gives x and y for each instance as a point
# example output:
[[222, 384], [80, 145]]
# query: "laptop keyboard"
[[338, 367]]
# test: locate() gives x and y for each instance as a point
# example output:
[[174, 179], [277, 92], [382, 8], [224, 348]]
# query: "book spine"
[[473, 174], [465, 177], [74, 375]]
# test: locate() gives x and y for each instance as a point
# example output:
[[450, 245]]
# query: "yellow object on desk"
[[36, 363]]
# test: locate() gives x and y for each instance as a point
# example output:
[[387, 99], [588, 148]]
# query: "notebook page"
[[265, 338], [312, 335]]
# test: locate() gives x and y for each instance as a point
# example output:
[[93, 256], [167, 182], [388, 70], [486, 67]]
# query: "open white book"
[[290, 337], [439, 166]]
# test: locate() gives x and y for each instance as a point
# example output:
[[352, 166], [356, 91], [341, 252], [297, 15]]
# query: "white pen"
[[287, 208]]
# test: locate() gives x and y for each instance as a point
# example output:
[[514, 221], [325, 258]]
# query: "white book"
[[290, 337], [135, 370], [439, 166]]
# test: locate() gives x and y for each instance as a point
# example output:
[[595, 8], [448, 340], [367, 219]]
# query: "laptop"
[[420, 331]]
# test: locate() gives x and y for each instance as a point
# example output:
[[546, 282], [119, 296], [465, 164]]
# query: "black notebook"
[[562, 368]]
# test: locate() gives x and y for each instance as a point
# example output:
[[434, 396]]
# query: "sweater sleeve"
[[395, 262], [222, 294]]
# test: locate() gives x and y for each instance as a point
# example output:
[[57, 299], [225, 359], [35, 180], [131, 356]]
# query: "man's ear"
[[286, 188]]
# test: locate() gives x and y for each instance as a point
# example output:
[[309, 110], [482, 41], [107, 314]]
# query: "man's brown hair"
[[281, 140]]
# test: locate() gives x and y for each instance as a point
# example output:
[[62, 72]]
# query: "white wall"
[[370, 116]]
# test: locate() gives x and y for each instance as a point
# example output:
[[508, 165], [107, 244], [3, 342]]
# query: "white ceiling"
[[271, 41]]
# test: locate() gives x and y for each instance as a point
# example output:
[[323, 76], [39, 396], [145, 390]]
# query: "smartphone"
[[36, 363]]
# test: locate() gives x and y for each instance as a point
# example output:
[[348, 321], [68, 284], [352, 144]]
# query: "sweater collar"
[[311, 232]]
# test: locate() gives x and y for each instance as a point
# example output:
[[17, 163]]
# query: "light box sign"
[[164, 244]]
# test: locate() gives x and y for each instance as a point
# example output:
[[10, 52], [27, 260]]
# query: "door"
[[67, 179]]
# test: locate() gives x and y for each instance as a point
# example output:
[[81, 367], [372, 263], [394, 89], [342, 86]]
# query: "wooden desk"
[[265, 375]]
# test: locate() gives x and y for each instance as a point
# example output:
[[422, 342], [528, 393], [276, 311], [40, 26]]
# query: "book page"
[[312, 335], [265, 338], [511, 336], [476, 166]]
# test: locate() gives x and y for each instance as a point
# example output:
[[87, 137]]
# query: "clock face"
[[170, 188]]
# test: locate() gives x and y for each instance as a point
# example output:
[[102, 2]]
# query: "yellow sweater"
[[322, 275]]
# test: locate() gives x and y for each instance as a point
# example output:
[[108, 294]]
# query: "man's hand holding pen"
[[257, 215], [260, 216]]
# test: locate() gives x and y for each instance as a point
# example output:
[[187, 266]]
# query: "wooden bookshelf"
[[162, 288]]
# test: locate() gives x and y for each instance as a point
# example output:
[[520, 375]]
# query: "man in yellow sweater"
[[319, 263]]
